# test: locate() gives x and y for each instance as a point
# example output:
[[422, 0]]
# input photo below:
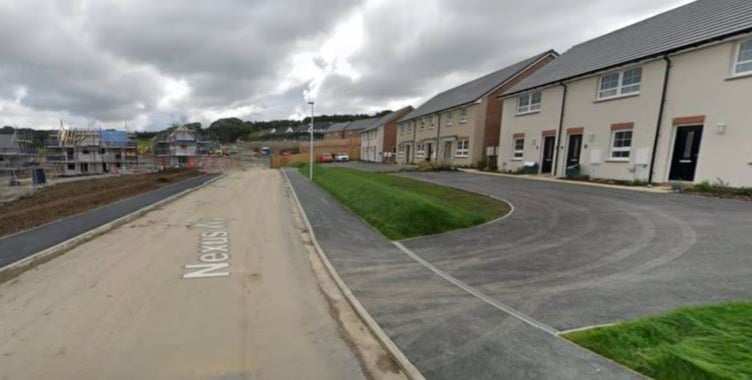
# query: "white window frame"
[[530, 107], [620, 87], [450, 121], [430, 122], [738, 62], [462, 149], [420, 150], [422, 124], [621, 149], [463, 115], [518, 154]]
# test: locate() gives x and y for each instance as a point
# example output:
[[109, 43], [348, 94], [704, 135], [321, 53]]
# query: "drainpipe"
[[660, 118], [415, 142], [438, 134], [561, 126]]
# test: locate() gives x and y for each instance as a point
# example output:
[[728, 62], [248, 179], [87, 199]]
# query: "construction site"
[[78, 154]]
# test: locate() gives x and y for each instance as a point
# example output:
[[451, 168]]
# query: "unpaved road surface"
[[119, 307]]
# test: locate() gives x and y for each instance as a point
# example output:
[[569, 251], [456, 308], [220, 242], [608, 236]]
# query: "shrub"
[[434, 166]]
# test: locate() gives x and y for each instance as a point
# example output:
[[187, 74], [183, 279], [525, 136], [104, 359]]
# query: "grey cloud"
[[108, 60], [409, 56]]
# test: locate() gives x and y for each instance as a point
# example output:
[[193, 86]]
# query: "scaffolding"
[[91, 151]]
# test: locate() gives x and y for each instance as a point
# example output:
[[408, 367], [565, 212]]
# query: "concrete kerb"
[[15, 269], [407, 367], [567, 182]]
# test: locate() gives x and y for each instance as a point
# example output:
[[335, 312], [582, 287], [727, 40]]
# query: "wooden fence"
[[351, 146]]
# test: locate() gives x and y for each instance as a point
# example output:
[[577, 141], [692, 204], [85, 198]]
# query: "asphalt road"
[[120, 307], [24, 244], [446, 331], [573, 256]]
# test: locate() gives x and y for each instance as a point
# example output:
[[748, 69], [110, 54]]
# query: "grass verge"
[[402, 208], [711, 342]]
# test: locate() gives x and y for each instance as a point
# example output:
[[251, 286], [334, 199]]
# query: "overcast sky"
[[154, 62]]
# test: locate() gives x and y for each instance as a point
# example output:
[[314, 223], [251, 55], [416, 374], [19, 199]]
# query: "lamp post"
[[310, 166]]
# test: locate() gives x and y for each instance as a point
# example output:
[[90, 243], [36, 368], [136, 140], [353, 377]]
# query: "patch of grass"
[[402, 208], [712, 342], [720, 188]]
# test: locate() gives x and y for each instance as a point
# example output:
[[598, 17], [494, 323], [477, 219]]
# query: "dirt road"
[[125, 306]]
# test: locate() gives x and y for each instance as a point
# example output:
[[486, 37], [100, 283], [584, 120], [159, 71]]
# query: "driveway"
[[573, 256], [447, 330]]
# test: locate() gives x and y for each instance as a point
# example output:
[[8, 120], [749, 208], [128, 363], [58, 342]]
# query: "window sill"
[[463, 122], [517, 159], [617, 97], [618, 160], [739, 76], [526, 113]]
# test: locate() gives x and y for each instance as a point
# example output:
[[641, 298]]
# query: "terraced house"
[[665, 99], [461, 125], [378, 142]]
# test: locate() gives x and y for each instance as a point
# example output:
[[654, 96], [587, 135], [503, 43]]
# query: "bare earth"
[[117, 307]]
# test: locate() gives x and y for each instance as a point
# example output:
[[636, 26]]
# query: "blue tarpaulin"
[[116, 138]]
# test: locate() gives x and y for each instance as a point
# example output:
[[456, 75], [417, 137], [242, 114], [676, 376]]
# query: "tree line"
[[227, 130]]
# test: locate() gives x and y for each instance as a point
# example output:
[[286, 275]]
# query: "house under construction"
[[181, 147], [92, 151], [18, 155]]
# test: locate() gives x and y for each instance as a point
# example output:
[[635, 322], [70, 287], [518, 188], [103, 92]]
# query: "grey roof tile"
[[473, 90], [359, 125], [388, 118], [682, 27], [339, 127]]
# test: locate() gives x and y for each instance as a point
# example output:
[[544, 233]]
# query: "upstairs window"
[[621, 145], [449, 118], [463, 115], [620, 83], [743, 63], [529, 103], [422, 124]]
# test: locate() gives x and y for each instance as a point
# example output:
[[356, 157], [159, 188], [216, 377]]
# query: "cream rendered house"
[[460, 126], [665, 99], [378, 139]]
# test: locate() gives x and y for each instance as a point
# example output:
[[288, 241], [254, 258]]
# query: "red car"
[[326, 157]]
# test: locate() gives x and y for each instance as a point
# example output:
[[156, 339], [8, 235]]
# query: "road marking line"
[[475, 292]]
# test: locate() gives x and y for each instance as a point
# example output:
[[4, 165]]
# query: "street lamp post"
[[310, 166]]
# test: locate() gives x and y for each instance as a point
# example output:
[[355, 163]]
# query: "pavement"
[[24, 244], [215, 285], [446, 328]]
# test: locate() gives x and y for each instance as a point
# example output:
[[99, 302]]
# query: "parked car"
[[285, 153], [325, 157], [341, 157]]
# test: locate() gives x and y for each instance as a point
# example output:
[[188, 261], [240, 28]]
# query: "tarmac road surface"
[[121, 307]]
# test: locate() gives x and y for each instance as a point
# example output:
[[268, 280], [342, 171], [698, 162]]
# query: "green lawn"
[[402, 208], [143, 143], [713, 342]]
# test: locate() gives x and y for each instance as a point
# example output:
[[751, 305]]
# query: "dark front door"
[[408, 157], [686, 152], [574, 149], [430, 151], [549, 145]]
